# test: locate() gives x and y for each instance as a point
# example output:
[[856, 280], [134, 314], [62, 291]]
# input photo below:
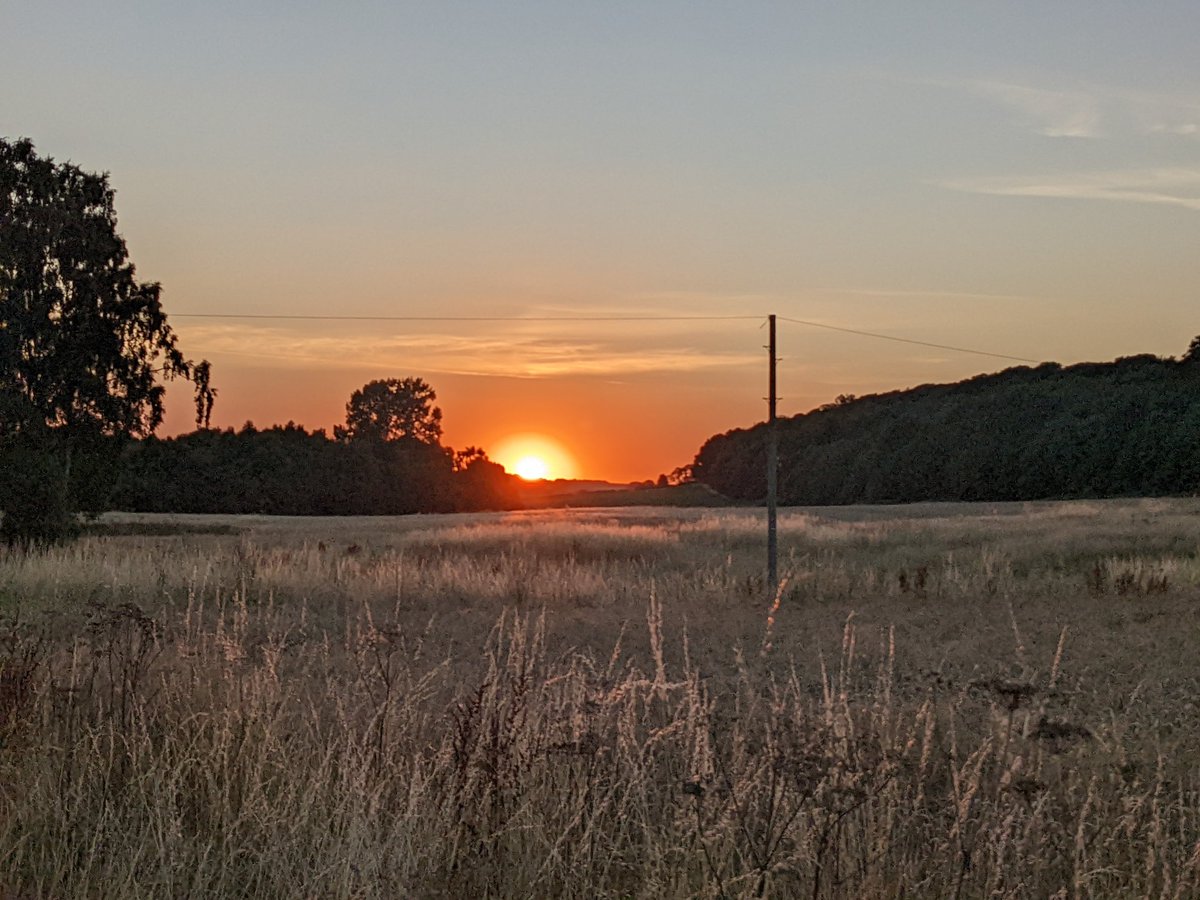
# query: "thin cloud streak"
[[930, 294], [492, 355], [780, 302], [1059, 114], [1168, 186], [1087, 111]]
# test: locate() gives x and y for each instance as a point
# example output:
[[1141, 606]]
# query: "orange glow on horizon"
[[614, 430], [534, 457]]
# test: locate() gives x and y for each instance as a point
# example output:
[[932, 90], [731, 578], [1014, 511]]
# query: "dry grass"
[[946, 701]]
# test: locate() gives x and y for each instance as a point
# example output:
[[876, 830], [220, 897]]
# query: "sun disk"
[[534, 457], [531, 468]]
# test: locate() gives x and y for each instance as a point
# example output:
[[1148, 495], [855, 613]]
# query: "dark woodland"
[[1125, 428], [287, 470]]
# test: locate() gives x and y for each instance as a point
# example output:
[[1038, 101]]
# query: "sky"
[[1019, 178]]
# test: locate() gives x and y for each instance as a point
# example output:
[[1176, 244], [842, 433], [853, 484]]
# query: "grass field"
[[942, 701]]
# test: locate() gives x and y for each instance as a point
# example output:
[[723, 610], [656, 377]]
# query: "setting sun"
[[535, 456], [531, 468]]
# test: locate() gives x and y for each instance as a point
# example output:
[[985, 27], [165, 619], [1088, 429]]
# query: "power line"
[[890, 337], [340, 318]]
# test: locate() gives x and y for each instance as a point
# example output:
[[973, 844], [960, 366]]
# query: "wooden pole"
[[772, 471]]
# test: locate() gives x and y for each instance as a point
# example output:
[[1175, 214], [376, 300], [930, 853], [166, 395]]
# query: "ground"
[[942, 699]]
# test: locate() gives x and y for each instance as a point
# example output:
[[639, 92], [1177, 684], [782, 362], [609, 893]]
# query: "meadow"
[[942, 700]]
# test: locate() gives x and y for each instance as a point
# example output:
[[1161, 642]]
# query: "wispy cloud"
[[1184, 129], [512, 355], [1087, 111], [1054, 113], [702, 302], [1169, 186], [928, 294], [1157, 114]]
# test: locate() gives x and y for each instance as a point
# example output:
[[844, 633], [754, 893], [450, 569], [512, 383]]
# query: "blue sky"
[[1019, 177]]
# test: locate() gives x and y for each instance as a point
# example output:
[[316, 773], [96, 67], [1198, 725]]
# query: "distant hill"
[[1129, 427], [544, 489], [631, 495]]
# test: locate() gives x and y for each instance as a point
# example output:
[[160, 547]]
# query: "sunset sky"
[[1022, 178]]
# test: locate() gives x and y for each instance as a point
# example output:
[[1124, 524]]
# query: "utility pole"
[[772, 470]]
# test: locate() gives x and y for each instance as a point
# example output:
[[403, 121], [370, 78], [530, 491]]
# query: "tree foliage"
[[387, 461], [391, 410], [1193, 351], [84, 345], [1130, 427], [287, 470]]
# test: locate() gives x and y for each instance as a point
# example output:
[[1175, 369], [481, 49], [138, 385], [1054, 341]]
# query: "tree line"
[[1126, 428], [365, 468]]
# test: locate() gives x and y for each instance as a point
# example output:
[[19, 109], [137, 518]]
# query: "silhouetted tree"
[[483, 484], [83, 343], [464, 459], [205, 393], [1193, 351], [680, 475], [391, 410]]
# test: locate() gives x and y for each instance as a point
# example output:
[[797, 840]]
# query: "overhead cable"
[[892, 337]]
